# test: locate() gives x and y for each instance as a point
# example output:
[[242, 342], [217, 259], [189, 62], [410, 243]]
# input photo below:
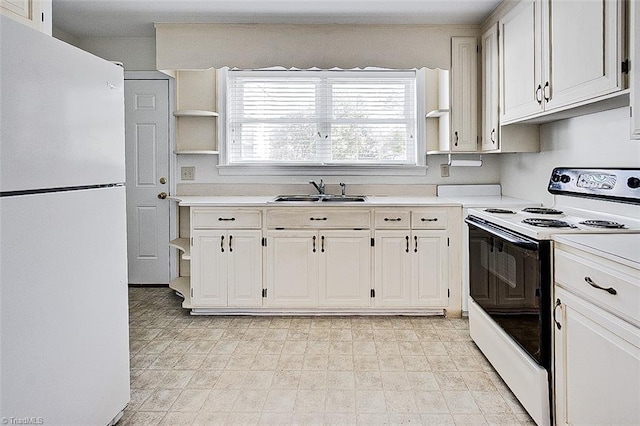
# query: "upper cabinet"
[[464, 94], [635, 71], [554, 57], [33, 13]]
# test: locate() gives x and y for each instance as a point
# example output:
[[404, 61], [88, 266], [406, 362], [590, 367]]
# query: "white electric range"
[[510, 264]]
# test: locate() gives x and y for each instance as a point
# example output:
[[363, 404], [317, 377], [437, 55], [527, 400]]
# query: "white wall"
[[136, 53], [595, 140]]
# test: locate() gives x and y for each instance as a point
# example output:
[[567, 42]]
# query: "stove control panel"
[[614, 184]]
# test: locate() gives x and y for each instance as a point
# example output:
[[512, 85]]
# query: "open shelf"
[[194, 113], [196, 152], [437, 113], [182, 244], [181, 286]]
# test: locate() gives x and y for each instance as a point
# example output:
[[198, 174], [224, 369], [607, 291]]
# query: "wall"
[[136, 53], [595, 140]]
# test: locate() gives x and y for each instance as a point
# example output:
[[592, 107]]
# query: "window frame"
[[225, 167]]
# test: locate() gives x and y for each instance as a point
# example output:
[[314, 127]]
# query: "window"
[[323, 117]]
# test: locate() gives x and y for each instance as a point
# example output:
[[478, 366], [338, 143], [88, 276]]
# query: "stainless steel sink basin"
[[320, 198], [294, 198], [344, 198]]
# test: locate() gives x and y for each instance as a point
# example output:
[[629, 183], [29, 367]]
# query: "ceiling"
[[112, 18]]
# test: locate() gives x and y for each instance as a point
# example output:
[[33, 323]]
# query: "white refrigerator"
[[64, 348]]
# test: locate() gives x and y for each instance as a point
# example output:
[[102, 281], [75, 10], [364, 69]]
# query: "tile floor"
[[208, 370]]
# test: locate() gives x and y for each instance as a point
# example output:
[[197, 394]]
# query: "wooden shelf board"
[[182, 286], [182, 244], [436, 113], [194, 113], [196, 152]]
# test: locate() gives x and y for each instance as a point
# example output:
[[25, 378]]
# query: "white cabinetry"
[[33, 13], [634, 10], [464, 94], [411, 264], [597, 339], [490, 91], [552, 58], [226, 260], [318, 258]]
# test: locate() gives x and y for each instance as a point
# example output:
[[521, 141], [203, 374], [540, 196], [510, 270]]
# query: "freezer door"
[[64, 307], [62, 121]]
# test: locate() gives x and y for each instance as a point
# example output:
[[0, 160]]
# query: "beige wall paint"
[[595, 140], [136, 53], [203, 46]]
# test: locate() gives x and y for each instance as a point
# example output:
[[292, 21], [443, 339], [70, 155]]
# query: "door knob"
[[163, 180], [162, 195]]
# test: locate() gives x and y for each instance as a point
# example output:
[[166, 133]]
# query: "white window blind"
[[321, 117]]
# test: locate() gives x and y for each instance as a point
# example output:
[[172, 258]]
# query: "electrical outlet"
[[188, 173], [444, 170]]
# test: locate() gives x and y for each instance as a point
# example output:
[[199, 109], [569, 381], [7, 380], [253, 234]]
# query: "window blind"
[[321, 117]]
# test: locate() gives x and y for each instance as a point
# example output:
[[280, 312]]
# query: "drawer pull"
[[424, 219], [226, 219], [391, 219], [317, 218], [609, 290]]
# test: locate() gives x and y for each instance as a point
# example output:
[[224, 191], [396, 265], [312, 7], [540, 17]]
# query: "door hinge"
[[264, 292], [373, 292], [373, 242], [191, 241], [477, 48], [625, 66], [447, 241], [264, 241], [448, 293], [191, 292]]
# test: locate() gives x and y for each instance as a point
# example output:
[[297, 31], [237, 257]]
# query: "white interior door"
[[147, 154]]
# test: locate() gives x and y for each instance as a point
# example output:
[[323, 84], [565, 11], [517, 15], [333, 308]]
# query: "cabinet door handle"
[[322, 244], [456, 134], [407, 250], [226, 219], [539, 92], [391, 219], [547, 98], [314, 243], [317, 218], [592, 283], [230, 239], [558, 303], [222, 244], [493, 132], [415, 246], [426, 219]]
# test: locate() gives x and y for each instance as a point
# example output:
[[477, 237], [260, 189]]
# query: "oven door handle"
[[504, 235]]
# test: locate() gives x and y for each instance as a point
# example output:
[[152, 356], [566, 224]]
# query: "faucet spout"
[[319, 187]]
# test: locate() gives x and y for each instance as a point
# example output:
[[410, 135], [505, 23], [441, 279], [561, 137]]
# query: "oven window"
[[504, 281]]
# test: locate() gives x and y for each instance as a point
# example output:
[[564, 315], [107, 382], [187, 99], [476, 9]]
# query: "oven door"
[[510, 313], [509, 279]]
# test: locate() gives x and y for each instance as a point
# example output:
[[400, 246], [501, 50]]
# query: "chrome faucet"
[[343, 186], [320, 187]]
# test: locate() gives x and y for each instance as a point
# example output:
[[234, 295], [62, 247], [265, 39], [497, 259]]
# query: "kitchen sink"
[[320, 198]]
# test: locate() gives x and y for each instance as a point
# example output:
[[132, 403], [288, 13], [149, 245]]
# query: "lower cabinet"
[[226, 268], [327, 268], [411, 268]]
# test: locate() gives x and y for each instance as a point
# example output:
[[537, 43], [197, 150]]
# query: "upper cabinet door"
[[464, 94], [520, 61], [33, 13], [583, 50], [635, 72], [490, 90]]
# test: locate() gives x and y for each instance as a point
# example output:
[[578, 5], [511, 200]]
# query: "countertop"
[[621, 248], [266, 201]]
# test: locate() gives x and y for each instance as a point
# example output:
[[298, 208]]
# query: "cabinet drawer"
[[429, 219], [579, 272], [213, 218], [397, 219], [318, 218]]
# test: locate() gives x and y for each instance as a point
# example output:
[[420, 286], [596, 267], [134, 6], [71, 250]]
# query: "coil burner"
[[541, 210], [500, 211], [603, 224], [547, 223]]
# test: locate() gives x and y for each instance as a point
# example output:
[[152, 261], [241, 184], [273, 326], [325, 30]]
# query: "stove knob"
[[555, 178], [565, 179], [633, 182]]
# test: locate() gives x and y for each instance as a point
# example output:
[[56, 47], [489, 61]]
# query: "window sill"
[[360, 170]]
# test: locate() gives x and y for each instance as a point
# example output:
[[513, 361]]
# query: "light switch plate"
[[188, 173], [444, 170]]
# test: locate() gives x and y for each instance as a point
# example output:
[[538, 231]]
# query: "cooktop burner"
[[500, 211], [547, 223], [541, 210], [603, 224]]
